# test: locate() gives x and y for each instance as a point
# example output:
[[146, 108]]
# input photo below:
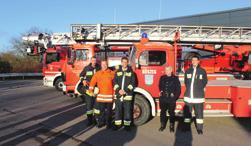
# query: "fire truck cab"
[[53, 60], [149, 59], [79, 56]]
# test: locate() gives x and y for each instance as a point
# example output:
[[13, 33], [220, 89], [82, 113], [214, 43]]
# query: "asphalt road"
[[33, 115]]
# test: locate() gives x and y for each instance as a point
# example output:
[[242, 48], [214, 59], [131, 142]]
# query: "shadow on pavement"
[[182, 138], [108, 137], [45, 132], [245, 123]]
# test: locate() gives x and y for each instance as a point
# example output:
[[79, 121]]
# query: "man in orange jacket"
[[104, 100]]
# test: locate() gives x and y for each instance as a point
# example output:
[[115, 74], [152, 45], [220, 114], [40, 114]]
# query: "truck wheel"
[[141, 110], [59, 84]]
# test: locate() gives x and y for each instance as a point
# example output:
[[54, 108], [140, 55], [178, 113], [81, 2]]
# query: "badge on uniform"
[[128, 74], [89, 73], [189, 76], [201, 77], [119, 73]]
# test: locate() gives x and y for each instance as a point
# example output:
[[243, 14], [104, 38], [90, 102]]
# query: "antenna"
[[160, 8], [114, 16]]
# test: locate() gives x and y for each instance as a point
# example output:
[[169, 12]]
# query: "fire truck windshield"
[[249, 58], [52, 57], [82, 55], [132, 55], [152, 58]]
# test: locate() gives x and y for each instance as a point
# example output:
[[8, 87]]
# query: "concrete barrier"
[[4, 76]]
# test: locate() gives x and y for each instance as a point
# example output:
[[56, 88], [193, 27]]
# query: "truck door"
[[151, 66], [81, 60]]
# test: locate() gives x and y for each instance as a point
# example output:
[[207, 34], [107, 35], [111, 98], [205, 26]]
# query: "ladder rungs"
[[188, 34]]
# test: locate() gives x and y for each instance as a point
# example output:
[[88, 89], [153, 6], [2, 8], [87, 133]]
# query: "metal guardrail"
[[3, 76]]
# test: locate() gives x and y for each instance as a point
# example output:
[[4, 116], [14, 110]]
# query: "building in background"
[[235, 17]]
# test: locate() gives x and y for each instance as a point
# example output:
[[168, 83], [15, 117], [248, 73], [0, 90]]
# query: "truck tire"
[[59, 84], [141, 110]]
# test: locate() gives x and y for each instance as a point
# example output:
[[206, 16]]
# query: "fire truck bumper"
[[48, 81], [64, 88]]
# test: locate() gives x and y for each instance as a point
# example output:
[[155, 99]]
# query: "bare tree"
[[15, 59]]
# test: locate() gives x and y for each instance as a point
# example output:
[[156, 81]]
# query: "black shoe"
[[200, 132], [171, 128], [89, 120], [94, 121], [162, 128], [100, 125], [108, 126], [116, 127], [127, 128]]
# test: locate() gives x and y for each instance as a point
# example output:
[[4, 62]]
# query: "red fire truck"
[[53, 60], [53, 51], [149, 57]]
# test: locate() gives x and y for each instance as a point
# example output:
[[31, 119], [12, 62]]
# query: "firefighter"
[[85, 77], [170, 88], [124, 83], [194, 97], [104, 98]]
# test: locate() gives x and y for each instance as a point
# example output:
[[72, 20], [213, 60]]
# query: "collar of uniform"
[[96, 65], [195, 67], [107, 70], [169, 76], [127, 69]]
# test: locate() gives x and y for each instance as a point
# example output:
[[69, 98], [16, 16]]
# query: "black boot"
[[89, 120], [100, 125], [127, 128], [171, 127], [108, 125], [116, 127], [200, 132], [94, 121], [162, 127]]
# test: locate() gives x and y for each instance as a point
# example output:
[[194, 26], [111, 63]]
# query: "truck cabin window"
[[152, 58], [52, 57], [118, 54], [82, 55], [132, 56], [249, 58]]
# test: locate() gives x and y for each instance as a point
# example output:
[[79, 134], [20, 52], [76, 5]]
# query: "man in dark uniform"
[[169, 86], [86, 76], [124, 84], [195, 82]]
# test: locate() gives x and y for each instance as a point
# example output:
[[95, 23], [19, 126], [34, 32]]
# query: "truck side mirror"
[[70, 62], [222, 53], [58, 56], [72, 58], [138, 66]]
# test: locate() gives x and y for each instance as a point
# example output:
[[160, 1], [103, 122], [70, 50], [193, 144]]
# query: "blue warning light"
[[144, 35]]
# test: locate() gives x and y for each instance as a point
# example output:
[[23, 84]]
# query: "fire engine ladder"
[[44, 39], [112, 34]]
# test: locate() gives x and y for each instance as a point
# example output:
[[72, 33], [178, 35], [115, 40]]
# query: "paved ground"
[[32, 115]]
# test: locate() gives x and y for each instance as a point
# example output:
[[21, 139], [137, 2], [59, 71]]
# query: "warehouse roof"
[[234, 17]]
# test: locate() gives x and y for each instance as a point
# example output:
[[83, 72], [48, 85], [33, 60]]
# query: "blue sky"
[[18, 16]]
